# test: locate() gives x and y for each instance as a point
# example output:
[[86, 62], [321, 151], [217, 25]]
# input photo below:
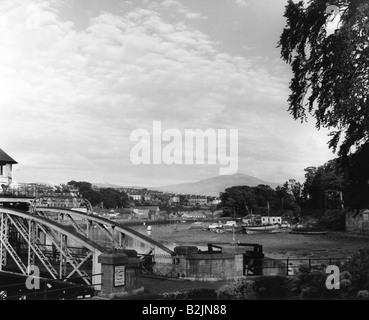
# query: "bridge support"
[[3, 239], [121, 274]]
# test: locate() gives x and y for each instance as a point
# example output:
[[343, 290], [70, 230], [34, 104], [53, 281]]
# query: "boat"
[[215, 227], [308, 231], [261, 228], [235, 229], [232, 226]]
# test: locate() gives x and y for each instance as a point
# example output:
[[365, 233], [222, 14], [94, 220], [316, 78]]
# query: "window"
[[365, 216], [1, 170]]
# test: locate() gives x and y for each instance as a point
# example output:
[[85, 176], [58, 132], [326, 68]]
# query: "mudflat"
[[275, 245]]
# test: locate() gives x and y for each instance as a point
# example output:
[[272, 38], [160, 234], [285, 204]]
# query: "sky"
[[79, 76]]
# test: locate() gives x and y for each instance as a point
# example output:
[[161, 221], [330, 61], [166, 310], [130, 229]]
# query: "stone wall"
[[356, 222], [192, 264]]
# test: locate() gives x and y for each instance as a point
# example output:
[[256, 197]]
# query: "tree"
[[323, 181], [330, 72]]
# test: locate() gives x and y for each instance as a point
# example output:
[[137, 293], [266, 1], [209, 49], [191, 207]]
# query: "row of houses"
[[177, 200], [154, 213]]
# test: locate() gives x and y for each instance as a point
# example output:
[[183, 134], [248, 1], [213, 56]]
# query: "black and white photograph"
[[179, 156]]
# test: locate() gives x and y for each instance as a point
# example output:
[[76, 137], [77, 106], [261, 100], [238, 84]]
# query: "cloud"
[[70, 98], [242, 3]]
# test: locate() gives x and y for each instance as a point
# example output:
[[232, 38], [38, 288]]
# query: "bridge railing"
[[161, 265]]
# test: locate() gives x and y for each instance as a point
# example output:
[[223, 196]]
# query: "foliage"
[[269, 287], [323, 184], [238, 290], [110, 198], [354, 280], [242, 200], [191, 294], [309, 283], [333, 220], [356, 173], [331, 70], [330, 82], [357, 268]]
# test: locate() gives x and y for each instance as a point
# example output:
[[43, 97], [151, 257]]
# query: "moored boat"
[[262, 228]]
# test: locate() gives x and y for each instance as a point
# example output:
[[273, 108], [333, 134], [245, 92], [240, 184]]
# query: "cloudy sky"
[[78, 76]]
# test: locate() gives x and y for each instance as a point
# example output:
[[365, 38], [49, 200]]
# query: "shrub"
[[191, 294], [270, 287], [356, 270], [241, 289], [363, 294], [333, 220]]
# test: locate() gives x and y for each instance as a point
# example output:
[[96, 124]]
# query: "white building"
[[175, 199], [216, 201], [6, 169], [200, 201], [135, 197], [193, 215], [271, 219]]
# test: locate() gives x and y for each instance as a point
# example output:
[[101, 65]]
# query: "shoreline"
[[282, 245]]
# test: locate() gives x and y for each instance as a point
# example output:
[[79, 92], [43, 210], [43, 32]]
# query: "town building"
[[175, 199], [6, 171], [216, 201], [197, 201], [147, 197], [136, 197], [193, 215], [145, 212], [271, 219]]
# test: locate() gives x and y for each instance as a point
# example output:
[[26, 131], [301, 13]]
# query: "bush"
[[333, 220], [191, 294], [239, 290], [270, 287], [356, 270]]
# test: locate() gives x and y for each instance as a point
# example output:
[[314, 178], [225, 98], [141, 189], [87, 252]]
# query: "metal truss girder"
[[107, 232], [3, 237], [7, 246], [50, 232], [70, 259], [76, 226], [44, 260], [77, 268], [16, 258], [118, 227]]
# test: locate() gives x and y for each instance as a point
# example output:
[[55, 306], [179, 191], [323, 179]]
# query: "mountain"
[[213, 186], [114, 186]]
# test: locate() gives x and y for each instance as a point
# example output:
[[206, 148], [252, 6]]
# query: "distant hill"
[[213, 186], [114, 186]]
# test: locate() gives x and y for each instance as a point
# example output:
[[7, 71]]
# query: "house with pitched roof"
[[6, 170]]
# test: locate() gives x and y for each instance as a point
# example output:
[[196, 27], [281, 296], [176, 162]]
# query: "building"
[[216, 201], [161, 215], [193, 215], [271, 219], [174, 199], [145, 212], [147, 197], [357, 221], [197, 201], [6, 170], [251, 219], [136, 197]]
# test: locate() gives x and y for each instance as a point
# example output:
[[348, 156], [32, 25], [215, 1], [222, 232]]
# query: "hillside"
[[213, 186]]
